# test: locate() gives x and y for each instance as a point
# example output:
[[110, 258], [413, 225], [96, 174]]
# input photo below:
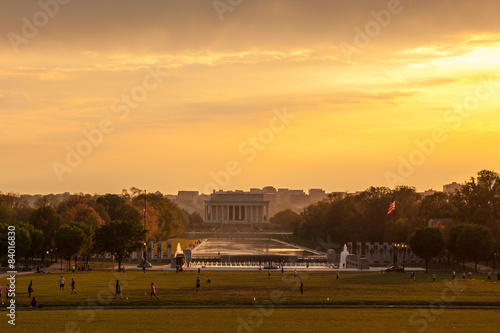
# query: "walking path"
[[480, 268]]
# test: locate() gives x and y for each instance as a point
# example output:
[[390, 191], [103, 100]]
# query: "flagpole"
[[394, 248], [394, 224], [145, 262], [145, 205]]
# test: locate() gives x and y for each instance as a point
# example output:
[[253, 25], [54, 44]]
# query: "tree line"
[[471, 210], [83, 224]]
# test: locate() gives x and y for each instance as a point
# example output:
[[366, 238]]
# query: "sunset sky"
[[359, 84]]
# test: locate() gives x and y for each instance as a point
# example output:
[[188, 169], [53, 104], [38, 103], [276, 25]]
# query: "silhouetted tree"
[[286, 219], [120, 238], [69, 240], [426, 243], [47, 220]]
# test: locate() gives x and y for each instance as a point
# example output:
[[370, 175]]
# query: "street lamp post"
[[404, 254], [395, 254], [398, 247], [145, 262]]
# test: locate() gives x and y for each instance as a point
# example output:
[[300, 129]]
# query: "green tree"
[[47, 220], [69, 240], [81, 213], [478, 200], [452, 241], [287, 219], [426, 243], [195, 219], [120, 238], [476, 242], [6, 213], [116, 208], [346, 217], [3, 243], [407, 201], [37, 241], [315, 221], [88, 241], [75, 199], [437, 205], [18, 205], [169, 218], [49, 200], [23, 243]]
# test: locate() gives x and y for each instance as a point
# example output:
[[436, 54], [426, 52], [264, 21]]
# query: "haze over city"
[[169, 95]]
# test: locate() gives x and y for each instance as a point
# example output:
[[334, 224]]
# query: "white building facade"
[[236, 208]]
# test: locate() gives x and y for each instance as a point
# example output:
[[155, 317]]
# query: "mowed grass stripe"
[[253, 320], [240, 288]]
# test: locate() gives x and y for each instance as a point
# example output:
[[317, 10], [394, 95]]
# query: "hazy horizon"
[[167, 95], [153, 190]]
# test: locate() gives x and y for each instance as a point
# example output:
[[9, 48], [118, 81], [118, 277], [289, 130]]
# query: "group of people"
[[7, 293], [118, 291], [31, 290], [34, 301], [81, 268], [454, 275], [62, 282], [198, 281]]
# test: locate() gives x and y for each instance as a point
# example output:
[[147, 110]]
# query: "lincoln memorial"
[[236, 208]]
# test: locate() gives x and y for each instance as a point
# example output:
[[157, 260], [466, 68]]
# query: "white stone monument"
[[151, 252], [169, 249], [343, 257], [160, 251]]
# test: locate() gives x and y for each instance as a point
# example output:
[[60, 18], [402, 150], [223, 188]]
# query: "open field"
[[357, 301], [240, 288], [252, 320]]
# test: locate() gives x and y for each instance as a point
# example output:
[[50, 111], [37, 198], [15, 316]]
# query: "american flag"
[[145, 200], [392, 206]]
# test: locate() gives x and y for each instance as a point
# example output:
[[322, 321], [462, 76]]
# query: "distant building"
[[428, 192], [191, 201], [236, 208], [278, 199], [269, 190], [170, 197], [444, 222], [187, 195], [317, 195], [299, 199], [452, 188]]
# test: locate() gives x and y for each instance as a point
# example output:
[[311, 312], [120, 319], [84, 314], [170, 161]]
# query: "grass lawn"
[[95, 292], [240, 288], [253, 320]]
